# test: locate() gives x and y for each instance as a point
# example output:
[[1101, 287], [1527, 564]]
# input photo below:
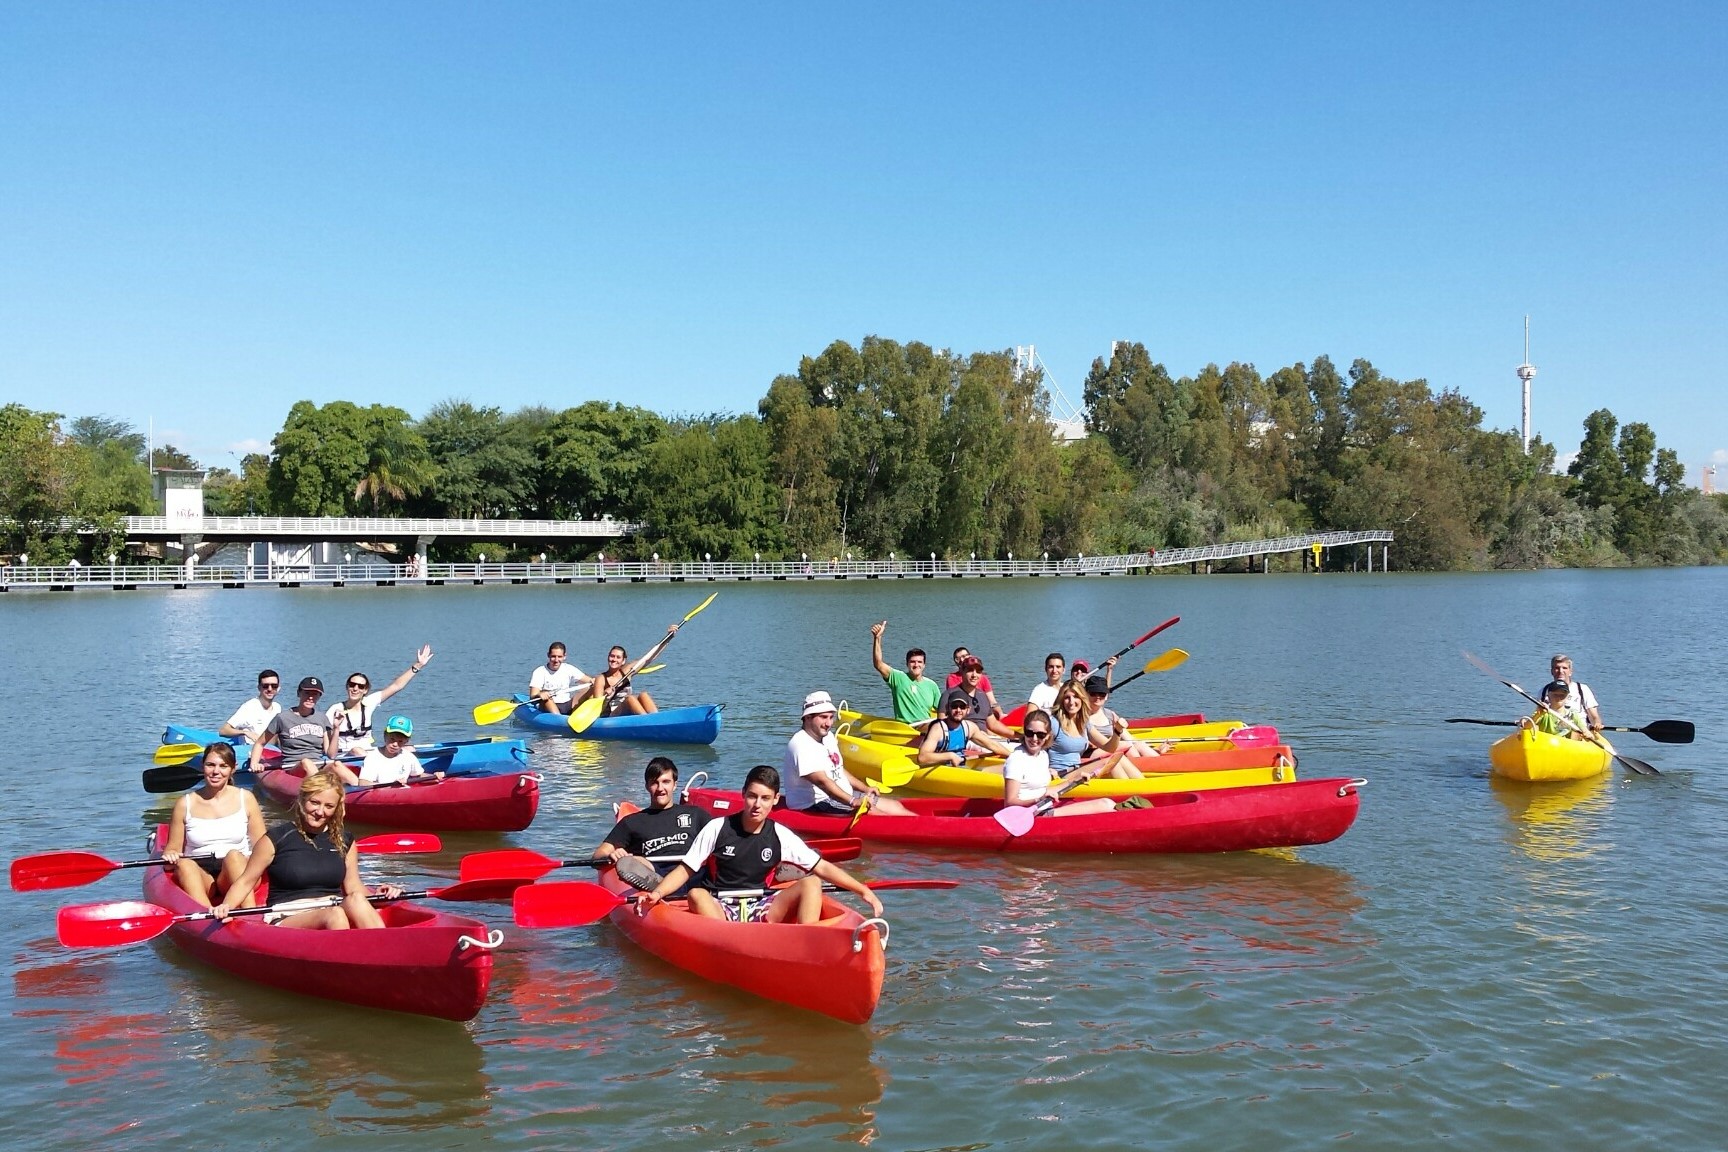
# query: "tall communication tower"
[[1526, 373], [1070, 421]]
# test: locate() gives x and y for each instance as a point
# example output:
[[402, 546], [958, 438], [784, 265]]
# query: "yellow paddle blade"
[[493, 711], [897, 771], [174, 753], [1165, 661], [890, 730], [701, 606], [654, 667], [586, 713]]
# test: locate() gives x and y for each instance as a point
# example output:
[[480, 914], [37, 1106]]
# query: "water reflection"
[[1557, 822]]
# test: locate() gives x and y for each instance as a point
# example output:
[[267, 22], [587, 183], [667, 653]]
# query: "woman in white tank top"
[[211, 833]]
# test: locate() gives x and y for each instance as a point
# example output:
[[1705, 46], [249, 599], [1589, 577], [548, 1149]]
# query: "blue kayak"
[[446, 756], [698, 724]]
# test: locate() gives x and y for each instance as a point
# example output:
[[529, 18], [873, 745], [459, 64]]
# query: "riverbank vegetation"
[[901, 448]]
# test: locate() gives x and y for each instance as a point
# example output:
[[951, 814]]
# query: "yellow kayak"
[[1225, 768], [1531, 755], [1203, 737]]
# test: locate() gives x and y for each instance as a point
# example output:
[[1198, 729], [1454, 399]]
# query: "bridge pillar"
[[421, 543]]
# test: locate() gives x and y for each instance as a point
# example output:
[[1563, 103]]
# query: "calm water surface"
[[1474, 964]]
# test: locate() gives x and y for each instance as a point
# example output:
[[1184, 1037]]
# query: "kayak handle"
[[694, 780], [526, 778], [1352, 786], [875, 922], [521, 753], [493, 939]]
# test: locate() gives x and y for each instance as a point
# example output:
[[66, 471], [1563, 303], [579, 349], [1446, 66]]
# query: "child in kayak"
[[1552, 715], [391, 764], [741, 852], [641, 843], [310, 858]]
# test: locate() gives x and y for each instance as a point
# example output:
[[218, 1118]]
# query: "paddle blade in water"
[[111, 925], [1668, 731], [913, 882], [59, 870], [565, 905], [1016, 819], [493, 711], [586, 713], [506, 862], [491, 888]]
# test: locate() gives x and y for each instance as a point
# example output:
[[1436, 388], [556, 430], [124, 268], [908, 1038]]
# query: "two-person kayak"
[[1528, 754], [833, 966], [697, 724], [425, 962]]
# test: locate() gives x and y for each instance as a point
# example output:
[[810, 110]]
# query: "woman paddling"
[[1026, 775], [307, 858], [741, 852], [211, 833]]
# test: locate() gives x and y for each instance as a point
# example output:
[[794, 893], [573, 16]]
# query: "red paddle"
[[573, 903], [531, 865], [135, 921], [1014, 718], [73, 869]]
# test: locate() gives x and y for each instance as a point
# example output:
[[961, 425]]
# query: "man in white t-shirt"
[[1044, 696], [251, 718], [1580, 701], [814, 777], [554, 685]]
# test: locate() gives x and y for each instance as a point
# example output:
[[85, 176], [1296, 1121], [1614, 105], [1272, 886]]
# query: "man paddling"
[[554, 685], [1580, 701], [665, 828], [742, 851], [816, 779], [915, 695], [250, 719]]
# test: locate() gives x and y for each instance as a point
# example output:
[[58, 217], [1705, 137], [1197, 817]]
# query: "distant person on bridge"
[[557, 685], [915, 695]]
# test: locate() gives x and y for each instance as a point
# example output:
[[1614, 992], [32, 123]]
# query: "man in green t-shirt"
[[915, 697]]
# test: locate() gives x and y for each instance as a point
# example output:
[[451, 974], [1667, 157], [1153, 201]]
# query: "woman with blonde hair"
[[310, 858], [1072, 736]]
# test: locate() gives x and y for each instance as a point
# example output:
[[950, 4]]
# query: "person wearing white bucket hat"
[[815, 778]]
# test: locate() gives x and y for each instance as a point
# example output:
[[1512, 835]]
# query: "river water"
[[1475, 964]]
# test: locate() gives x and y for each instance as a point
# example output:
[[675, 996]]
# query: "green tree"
[[485, 469], [39, 477], [593, 457], [708, 488]]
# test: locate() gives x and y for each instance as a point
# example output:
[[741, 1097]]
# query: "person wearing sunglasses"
[[250, 719], [1026, 775], [353, 717], [955, 733], [303, 733]]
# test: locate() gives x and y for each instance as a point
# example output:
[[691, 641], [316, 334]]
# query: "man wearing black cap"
[[303, 733]]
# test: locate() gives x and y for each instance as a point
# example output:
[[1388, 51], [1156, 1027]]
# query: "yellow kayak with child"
[[1529, 754]]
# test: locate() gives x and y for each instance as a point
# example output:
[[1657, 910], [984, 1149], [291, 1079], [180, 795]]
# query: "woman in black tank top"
[[311, 857]]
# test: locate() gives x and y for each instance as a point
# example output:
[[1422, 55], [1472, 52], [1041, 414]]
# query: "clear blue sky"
[[208, 212]]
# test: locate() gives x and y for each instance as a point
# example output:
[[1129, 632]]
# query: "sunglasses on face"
[[358, 684], [1034, 733], [268, 687]]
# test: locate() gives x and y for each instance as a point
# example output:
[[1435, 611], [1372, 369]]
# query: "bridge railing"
[[272, 527]]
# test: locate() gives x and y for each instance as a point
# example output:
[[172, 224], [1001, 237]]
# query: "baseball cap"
[[955, 696], [1080, 666], [312, 684], [818, 702], [399, 724], [1559, 686], [971, 664]]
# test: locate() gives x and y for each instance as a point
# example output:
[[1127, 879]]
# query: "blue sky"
[[208, 212]]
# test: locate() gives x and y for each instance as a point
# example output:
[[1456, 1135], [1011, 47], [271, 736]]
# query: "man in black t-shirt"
[[658, 834]]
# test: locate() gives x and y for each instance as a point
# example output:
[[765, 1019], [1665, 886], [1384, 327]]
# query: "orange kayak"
[[833, 966]]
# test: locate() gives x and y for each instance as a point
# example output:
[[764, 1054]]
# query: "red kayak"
[[833, 966], [484, 802], [1217, 820], [425, 962]]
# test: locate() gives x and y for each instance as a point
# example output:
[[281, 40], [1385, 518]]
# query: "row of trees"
[[889, 447]]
